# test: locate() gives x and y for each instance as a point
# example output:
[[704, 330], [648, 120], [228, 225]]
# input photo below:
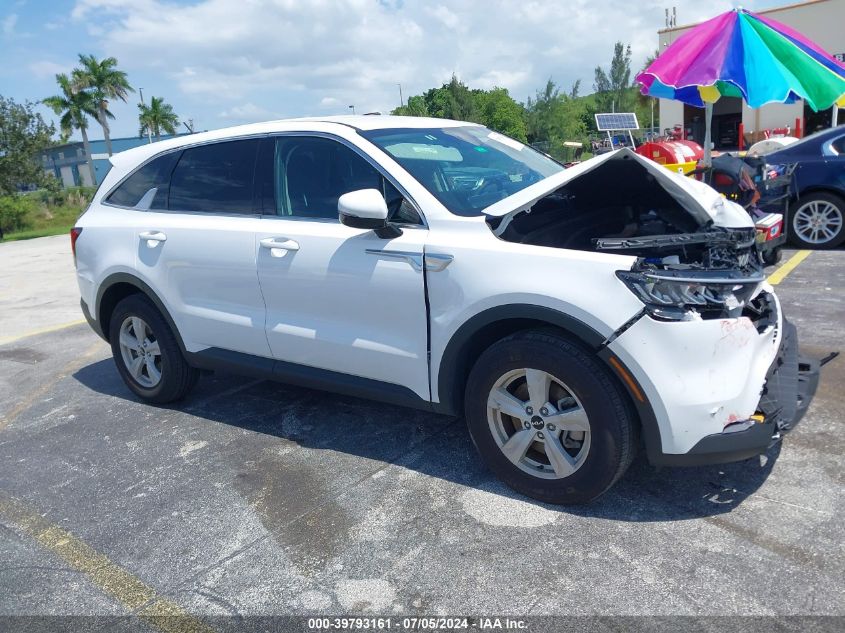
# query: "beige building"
[[822, 21]]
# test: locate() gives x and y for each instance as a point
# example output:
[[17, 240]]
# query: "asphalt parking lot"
[[256, 498]]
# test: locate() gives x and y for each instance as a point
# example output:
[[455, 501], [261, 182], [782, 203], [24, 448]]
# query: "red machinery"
[[677, 152]]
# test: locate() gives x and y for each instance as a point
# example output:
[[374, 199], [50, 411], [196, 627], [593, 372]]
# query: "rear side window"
[[215, 178], [149, 183]]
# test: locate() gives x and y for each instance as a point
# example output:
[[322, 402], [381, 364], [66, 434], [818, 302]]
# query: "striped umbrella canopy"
[[742, 54]]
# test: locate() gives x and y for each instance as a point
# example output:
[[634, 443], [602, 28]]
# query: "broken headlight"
[[674, 297]]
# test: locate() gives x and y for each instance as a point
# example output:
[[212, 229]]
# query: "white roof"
[[386, 121], [131, 157]]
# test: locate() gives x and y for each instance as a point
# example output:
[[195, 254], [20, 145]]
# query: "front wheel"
[[146, 352], [773, 256], [548, 419]]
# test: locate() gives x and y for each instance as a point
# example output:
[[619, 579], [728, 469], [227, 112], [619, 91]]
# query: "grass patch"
[[41, 213], [33, 233]]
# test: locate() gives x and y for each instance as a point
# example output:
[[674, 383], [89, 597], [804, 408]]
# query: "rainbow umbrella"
[[742, 54]]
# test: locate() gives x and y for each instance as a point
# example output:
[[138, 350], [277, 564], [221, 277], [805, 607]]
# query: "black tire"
[[613, 429], [177, 377], [773, 256], [796, 205]]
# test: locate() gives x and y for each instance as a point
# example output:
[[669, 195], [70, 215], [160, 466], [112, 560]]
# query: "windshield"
[[466, 168]]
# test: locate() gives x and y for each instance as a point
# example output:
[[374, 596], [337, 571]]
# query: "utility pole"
[[401, 100], [149, 132], [651, 131]]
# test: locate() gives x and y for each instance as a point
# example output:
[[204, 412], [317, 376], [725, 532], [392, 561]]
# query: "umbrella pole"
[[708, 121]]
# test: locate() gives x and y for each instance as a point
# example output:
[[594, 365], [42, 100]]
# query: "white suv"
[[437, 264]]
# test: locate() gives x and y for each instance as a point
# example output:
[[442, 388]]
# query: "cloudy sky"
[[224, 62]]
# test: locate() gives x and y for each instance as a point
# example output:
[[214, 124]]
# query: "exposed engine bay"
[[684, 262]]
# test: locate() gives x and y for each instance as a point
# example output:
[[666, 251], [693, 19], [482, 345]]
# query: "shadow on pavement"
[[438, 446]]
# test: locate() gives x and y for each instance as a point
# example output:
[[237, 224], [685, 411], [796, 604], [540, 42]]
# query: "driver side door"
[[343, 304]]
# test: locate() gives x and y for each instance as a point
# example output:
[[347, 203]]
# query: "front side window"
[[466, 168], [215, 178], [303, 176], [149, 184]]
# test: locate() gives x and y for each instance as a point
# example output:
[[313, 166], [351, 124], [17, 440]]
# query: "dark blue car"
[[816, 211]]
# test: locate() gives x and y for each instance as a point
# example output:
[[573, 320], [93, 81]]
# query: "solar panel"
[[617, 121]]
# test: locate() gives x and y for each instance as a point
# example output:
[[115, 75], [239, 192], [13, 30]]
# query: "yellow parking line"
[[110, 577], [46, 330], [787, 267]]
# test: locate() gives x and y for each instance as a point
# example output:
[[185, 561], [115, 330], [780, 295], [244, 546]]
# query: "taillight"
[[74, 235]]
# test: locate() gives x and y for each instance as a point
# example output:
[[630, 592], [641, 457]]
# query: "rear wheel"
[[817, 220], [146, 352], [548, 419]]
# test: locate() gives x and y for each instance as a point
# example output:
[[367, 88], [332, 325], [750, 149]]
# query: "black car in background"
[[816, 209]]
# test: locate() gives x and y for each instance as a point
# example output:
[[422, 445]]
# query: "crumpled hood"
[[704, 203]]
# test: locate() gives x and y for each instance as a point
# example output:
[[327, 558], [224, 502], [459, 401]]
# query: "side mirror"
[[366, 209]]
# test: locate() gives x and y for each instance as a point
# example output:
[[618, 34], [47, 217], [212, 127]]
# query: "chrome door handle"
[[280, 242], [414, 259], [435, 262], [152, 237]]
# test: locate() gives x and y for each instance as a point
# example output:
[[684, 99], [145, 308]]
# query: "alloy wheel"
[[538, 423], [817, 221], [140, 351]]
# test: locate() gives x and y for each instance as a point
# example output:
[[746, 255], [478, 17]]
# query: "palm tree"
[[157, 117], [74, 106], [105, 82]]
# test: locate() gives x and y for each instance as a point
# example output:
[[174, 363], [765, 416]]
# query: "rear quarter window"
[[151, 179]]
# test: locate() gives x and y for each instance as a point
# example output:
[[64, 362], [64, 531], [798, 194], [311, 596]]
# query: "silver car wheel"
[[817, 221], [140, 352], [538, 423]]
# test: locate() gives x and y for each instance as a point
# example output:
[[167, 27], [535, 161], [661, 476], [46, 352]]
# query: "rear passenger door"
[[195, 232]]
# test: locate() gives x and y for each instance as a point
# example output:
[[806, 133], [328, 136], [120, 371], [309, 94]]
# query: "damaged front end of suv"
[[711, 354]]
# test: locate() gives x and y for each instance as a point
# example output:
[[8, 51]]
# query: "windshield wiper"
[[738, 238]]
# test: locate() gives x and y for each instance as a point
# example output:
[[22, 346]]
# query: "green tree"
[[553, 118], [454, 100], [612, 88], [500, 112], [416, 106], [105, 82], [540, 112], [74, 106], [23, 135], [645, 105], [157, 117]]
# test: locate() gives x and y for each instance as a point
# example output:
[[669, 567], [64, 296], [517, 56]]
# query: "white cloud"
[[446, 17], [242, 60], [8, 24], [46, 68], [248, 113]]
